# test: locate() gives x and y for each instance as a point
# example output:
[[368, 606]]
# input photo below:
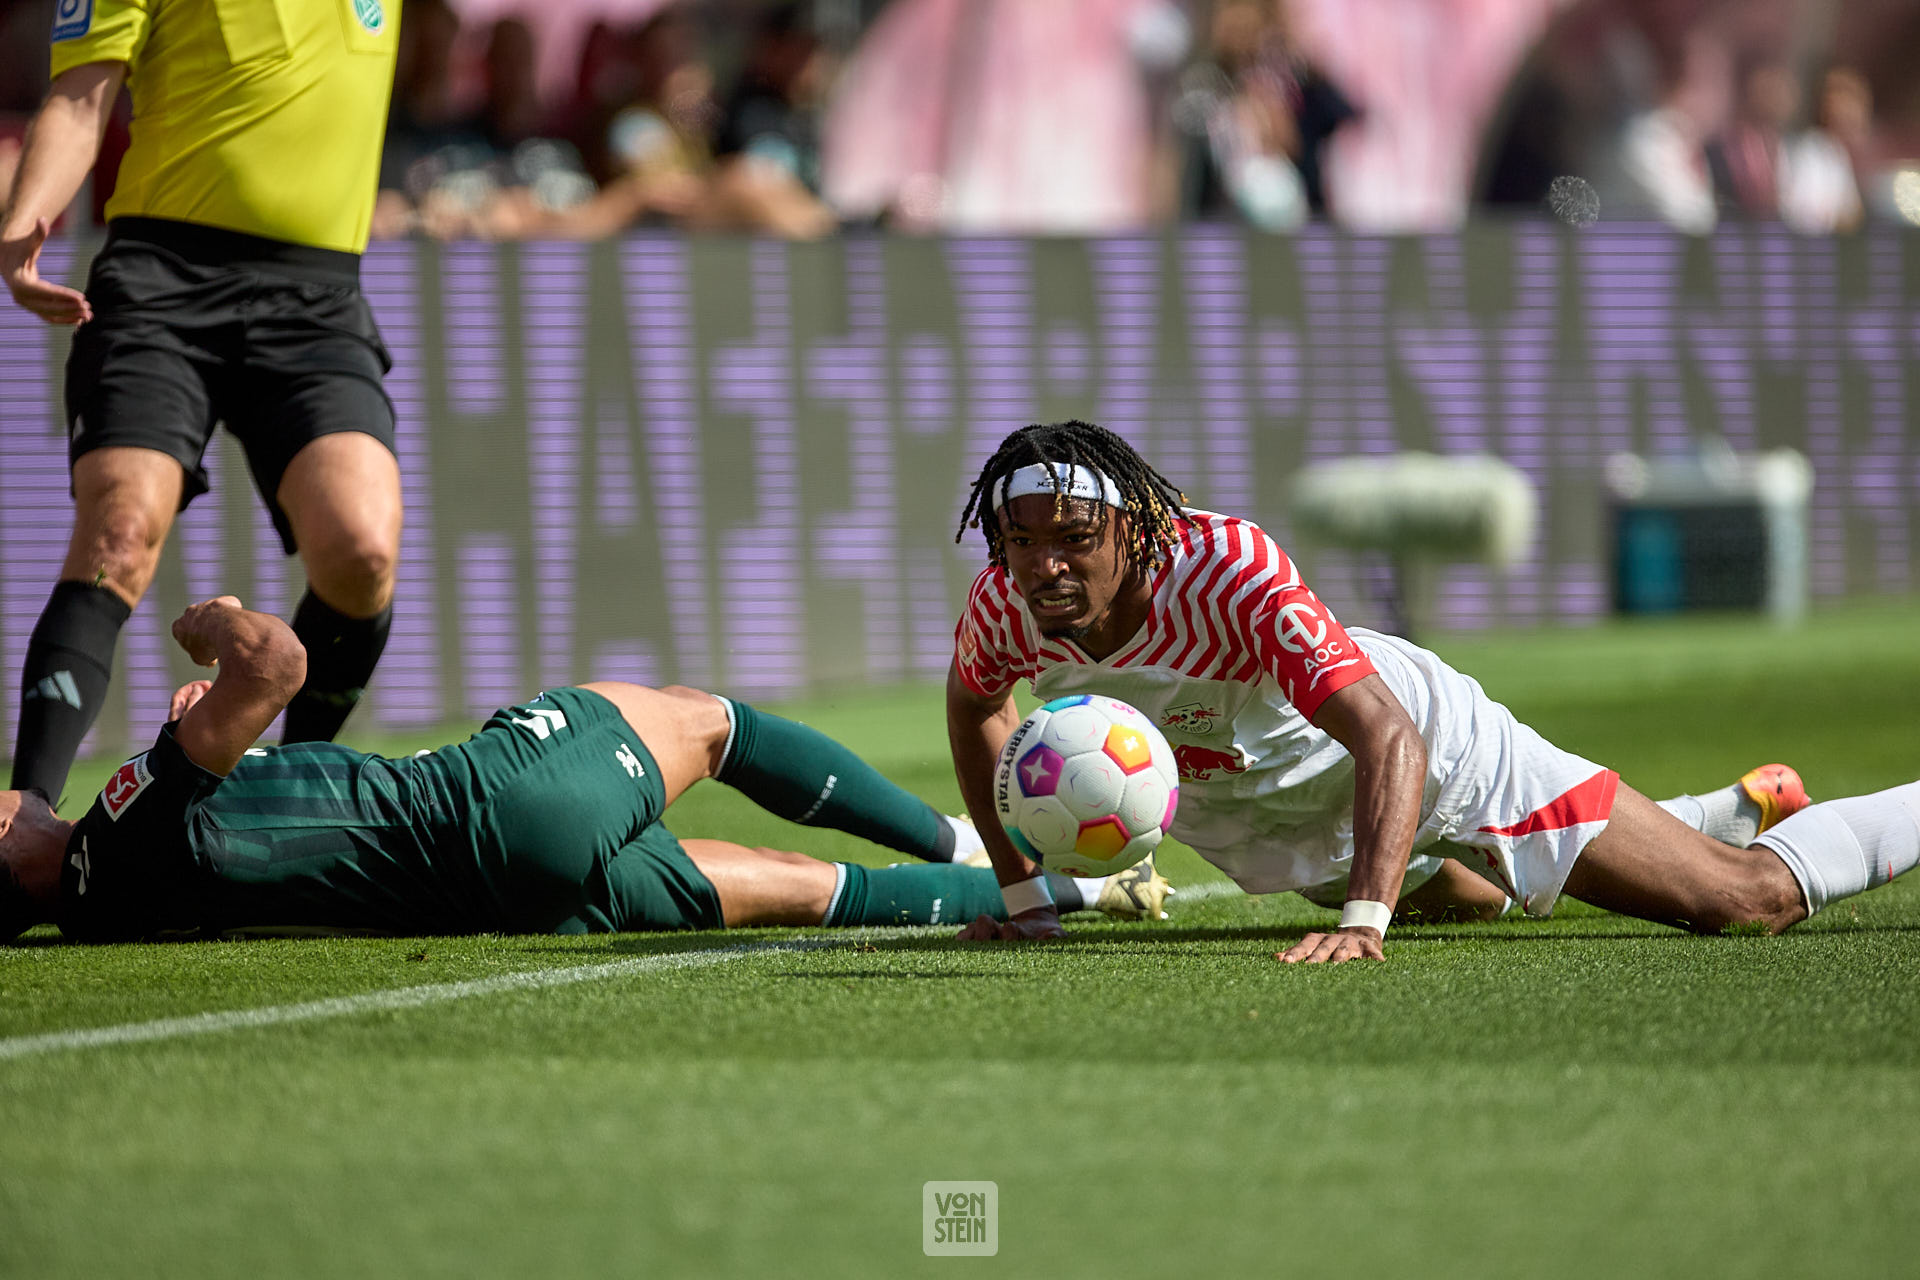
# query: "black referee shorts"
[[193, 326]]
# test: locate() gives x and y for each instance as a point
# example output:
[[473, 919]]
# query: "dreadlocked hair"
[[1151, 501]]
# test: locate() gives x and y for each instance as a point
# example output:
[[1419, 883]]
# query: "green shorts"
[[559, 807], [649, 885]]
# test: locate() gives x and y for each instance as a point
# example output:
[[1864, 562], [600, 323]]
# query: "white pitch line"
[[201, 1024]]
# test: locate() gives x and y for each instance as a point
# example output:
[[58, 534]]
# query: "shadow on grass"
[[938, 940]]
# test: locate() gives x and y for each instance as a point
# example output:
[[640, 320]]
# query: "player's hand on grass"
[[198, 628], [186, 696], [1357, 943], [1028, 926], [20, 264]]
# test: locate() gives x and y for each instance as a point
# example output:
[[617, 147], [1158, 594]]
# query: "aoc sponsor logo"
[[72, 19], [1301, 628], [369, 13]]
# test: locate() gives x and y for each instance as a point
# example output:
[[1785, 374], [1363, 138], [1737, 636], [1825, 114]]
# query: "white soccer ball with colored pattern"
[[1086, 786]]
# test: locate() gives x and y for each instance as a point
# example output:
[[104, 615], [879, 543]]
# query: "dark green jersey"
[[519, 829]]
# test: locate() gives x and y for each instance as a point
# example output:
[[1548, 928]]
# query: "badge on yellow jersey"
[[369, 12], [74, 18]]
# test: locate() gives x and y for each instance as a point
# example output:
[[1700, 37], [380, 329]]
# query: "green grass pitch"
[[1584, 1096]]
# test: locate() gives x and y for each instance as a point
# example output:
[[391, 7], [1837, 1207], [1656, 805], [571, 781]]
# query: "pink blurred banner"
[[1000, 115], [1426, 75], [1039, 115]]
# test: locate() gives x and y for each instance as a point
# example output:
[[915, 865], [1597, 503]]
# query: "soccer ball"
[[1086, 786]]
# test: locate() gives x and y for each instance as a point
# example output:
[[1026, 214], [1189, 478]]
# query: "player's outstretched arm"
[[1389, 775], [260, 666], [977, 728], [62, 143]]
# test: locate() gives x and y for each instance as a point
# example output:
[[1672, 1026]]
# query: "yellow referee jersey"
[[261, 116]]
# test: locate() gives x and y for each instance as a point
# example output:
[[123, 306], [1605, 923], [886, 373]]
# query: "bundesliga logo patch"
[[72, 19], [125, 786]]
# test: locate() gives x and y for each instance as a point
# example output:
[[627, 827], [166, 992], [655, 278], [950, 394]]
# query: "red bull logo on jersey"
[[1193, 717], [1203, 764], [126, 784]]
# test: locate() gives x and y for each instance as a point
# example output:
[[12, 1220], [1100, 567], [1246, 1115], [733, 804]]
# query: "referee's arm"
[[62, 143]]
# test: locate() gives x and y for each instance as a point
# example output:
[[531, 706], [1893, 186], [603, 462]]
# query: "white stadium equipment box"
[[1714, 530]]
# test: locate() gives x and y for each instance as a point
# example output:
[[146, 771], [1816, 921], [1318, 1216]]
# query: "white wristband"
[[1025, 895], [1373, 915]]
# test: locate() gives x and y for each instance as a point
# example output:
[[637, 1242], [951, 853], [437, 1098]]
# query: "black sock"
[[341, 655], [64, 681]]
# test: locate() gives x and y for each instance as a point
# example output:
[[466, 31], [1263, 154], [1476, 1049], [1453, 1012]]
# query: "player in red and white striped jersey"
[[1320, 759]]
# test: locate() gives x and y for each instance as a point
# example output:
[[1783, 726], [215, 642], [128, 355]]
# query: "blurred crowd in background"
[[551, 119]]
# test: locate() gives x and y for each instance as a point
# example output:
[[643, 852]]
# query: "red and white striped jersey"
[[1234, 656], [1229, 607]]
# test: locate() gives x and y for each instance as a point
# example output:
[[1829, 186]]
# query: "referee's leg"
[[341, 498], [124, 503]]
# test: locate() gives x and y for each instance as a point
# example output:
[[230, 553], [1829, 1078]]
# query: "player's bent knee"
[[705, 714], [358, 555], [126, 532], [353, 571], [120, 546]]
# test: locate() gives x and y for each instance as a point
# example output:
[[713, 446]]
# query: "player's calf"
[[1453, 894], [1649, 864]]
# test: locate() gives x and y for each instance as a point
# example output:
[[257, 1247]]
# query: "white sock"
[[1728, 815], [839, 887], [1844, 847]]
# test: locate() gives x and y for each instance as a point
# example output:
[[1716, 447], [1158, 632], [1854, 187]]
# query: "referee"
[[228, 291]]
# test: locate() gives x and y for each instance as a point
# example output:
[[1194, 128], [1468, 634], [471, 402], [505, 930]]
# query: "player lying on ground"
[[547, 820], [1317, 759]]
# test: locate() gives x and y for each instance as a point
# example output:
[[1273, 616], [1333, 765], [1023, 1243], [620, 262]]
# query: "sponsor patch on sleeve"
[[72, 19], [125, 786]]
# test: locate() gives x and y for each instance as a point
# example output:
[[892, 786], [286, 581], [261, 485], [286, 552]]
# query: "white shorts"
[[1510, 805]]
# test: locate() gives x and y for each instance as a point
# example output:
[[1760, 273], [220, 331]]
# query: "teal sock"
[[913, 895], [804, 776]]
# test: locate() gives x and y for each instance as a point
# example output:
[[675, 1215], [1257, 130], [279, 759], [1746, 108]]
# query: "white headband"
[[1066, 482]]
